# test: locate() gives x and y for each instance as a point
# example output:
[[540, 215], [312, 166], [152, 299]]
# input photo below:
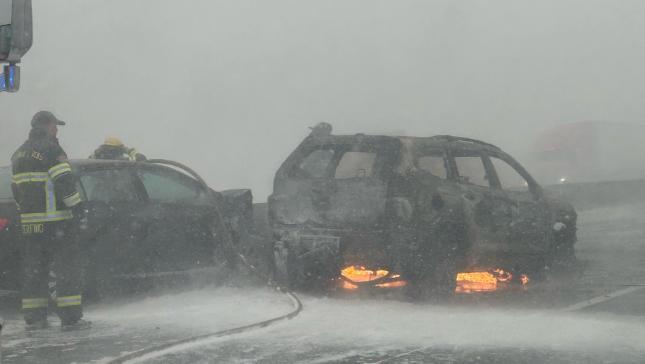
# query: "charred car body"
[[410, 211], [147, 222]]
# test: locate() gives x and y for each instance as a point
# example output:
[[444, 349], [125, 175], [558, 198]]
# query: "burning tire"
[[436, 281], [293, 269]]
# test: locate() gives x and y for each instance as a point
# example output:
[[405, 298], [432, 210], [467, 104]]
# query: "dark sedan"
[[146, 221]]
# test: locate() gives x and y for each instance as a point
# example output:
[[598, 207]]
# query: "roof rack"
[[463, 139]]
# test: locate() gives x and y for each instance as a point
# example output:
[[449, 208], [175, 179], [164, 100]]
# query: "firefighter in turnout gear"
[[51, 216], [113, 148]]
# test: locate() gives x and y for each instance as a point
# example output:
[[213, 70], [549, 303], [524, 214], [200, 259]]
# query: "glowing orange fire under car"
[[358, 274], [466, 282], [486, 281]]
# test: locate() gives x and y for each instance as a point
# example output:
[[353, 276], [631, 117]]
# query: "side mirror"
[[15, 40]]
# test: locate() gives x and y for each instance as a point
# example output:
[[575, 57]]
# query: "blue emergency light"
[[10, 78]]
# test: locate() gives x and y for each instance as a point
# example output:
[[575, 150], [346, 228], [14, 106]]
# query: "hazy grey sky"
[[229, 87]]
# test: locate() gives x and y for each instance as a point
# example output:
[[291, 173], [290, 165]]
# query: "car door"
[[180, 216], [529, 231], [487, 215], [114, 230]]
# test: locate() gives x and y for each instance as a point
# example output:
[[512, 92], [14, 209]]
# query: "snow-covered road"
[[515, 326], [121, 327]]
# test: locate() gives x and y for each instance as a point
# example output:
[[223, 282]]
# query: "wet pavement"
[[593, 313]]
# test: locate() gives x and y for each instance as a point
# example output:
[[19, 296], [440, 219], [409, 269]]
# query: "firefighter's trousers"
[[51, 246]]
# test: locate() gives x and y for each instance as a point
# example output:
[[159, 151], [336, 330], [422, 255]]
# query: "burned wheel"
[[295, 270], [437, 281]]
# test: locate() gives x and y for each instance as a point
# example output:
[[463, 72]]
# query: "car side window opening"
[[316, 164], [433, 164], [163, 187], [509, 178], [355, 165], [108, 185], [471, 170]]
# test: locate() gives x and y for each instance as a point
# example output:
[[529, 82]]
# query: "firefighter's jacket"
[[43, 184]]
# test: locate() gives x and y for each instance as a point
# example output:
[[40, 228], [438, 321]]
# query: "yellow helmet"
[[113, 141]]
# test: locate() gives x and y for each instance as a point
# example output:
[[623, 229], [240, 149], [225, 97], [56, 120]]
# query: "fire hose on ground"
[[139, 354], [159, 349]]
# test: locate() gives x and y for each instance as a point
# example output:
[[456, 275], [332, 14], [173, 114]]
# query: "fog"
[[230, 87]]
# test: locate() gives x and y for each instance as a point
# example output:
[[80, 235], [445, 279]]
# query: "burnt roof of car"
[[458, 139], [323, 131], [439, 139]]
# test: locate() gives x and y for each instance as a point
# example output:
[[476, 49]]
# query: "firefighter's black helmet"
[[43, 118]]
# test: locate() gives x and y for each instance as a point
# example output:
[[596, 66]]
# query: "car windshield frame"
[[533, 187]]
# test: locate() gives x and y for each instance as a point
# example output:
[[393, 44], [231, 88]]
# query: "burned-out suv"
[[382, 211]]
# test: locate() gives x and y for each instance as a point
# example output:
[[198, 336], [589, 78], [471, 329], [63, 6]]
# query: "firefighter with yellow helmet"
[[113, 148], [51, 217]]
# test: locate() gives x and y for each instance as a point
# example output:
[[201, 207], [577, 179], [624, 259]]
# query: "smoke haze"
[[230, 87]]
